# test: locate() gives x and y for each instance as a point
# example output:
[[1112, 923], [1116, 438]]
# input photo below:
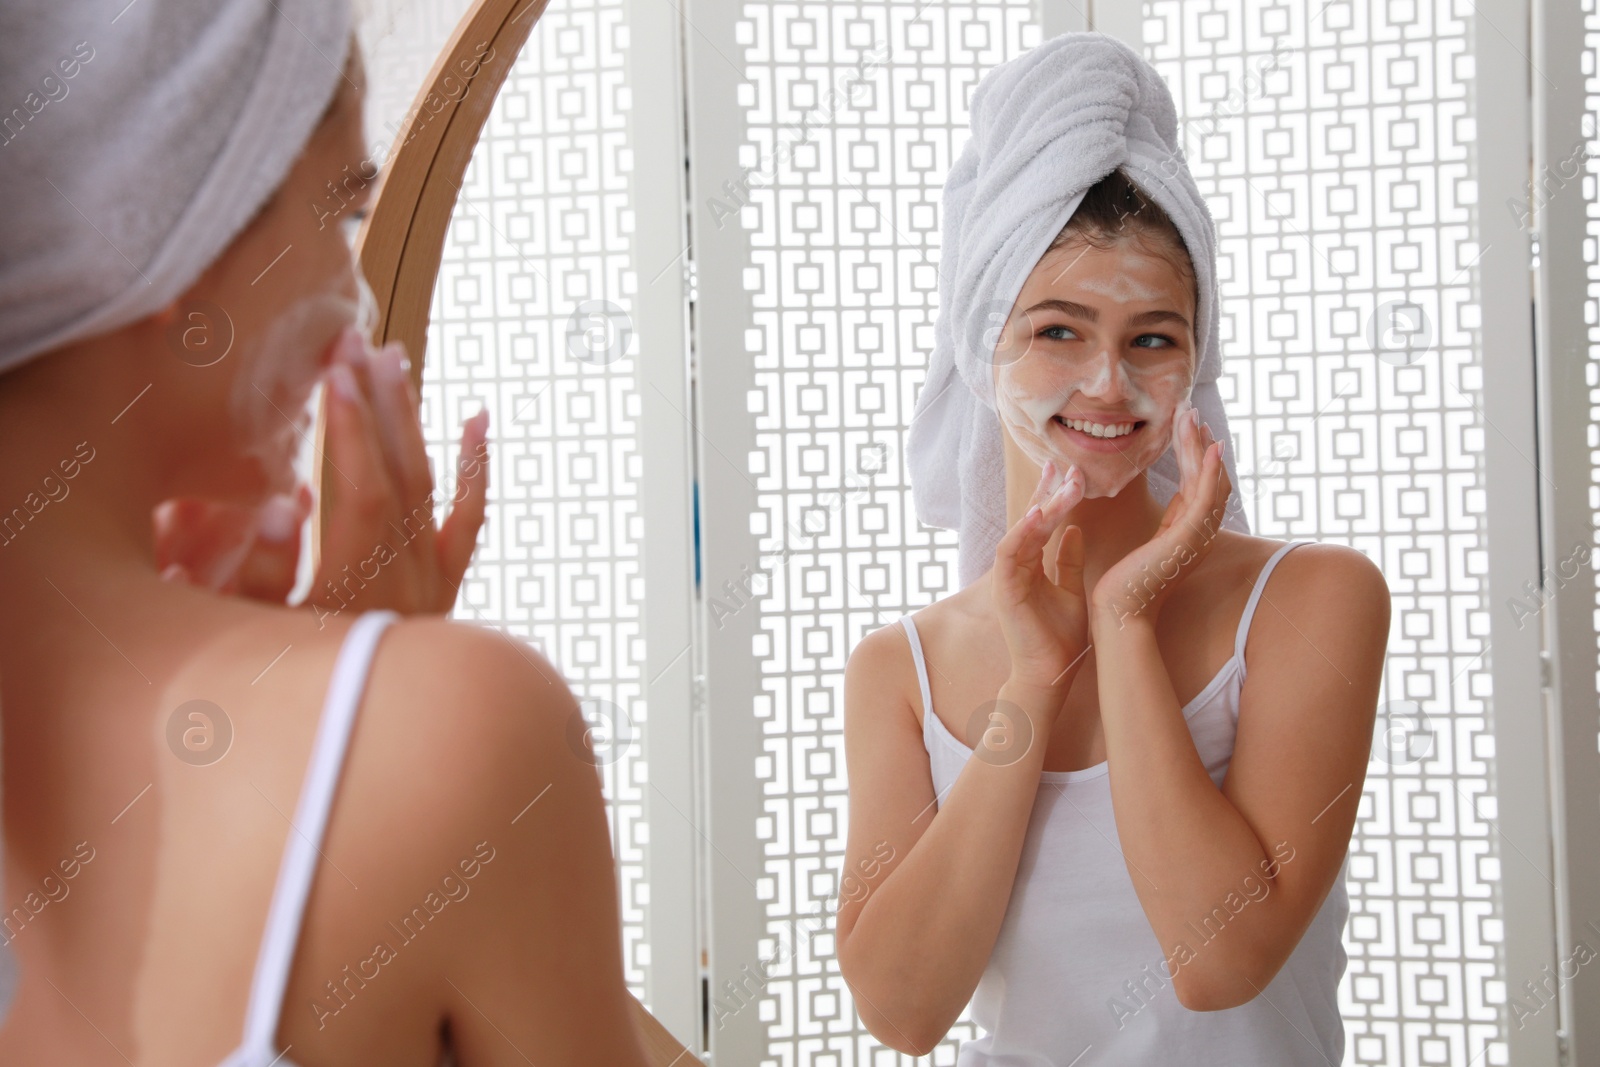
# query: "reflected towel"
[[1046, 126]]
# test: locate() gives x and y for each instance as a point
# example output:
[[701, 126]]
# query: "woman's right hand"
[[1045, 622], [375, 443], [380, 499]]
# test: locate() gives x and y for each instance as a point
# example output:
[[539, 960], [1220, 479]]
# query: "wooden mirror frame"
[[401, 241]]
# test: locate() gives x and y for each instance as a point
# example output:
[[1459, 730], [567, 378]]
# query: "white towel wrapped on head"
[[1046, 126], [138, 141]]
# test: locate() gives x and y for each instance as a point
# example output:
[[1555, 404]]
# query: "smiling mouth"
[[1104, 431]]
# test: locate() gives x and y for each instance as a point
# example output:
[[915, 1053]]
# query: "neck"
[[83, 471]]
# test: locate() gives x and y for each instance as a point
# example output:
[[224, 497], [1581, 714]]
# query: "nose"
[[1106, 380]]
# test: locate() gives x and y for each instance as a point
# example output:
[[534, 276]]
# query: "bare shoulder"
[[465, 704], [886, 644], [1314, 587], [954, 619], [520, 788], [1327, 601], [883, 672], [879, 676], [469, 777], [461, 729], [465, 663], [1332, 581], [1312, 564]]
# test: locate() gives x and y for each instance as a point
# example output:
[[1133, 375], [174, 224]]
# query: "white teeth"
[[1098, 429]]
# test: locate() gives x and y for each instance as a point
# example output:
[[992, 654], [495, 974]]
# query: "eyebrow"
[[1084, 311]]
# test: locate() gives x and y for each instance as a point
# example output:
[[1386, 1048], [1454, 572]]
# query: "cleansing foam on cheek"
[[1162, 391], [1032, 391], [271, 405], [1027, 404]]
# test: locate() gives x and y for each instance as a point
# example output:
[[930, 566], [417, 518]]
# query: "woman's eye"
[[1051, 332], [1156, 336]]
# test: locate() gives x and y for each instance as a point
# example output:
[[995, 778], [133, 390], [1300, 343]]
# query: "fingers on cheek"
[[343, 388], [1200, 445], [1041, 491]]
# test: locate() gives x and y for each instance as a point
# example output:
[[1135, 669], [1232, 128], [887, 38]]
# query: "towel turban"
[[137, 140]]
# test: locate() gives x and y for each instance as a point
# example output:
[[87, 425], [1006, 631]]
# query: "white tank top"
[[1077, 977], [297, 870]]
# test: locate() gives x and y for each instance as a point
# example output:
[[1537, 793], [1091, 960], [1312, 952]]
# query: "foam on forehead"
[[1119, 287]]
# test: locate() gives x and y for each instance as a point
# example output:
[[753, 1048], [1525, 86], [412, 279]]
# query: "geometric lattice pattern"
[[1337, 157], [399, 40], [530, 317], [1334, 144], [854, 114]]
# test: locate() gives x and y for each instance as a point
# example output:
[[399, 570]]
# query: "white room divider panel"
[[1589, 150], [852, 115], [1576, 534], [1561, 209], [1576, 539]]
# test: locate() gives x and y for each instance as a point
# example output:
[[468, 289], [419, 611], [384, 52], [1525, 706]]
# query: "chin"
[[252, 476], [269, 447], [1105, 488], [1109, 465]]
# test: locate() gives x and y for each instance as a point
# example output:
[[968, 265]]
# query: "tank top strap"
[[922, 670], [296, 870], [1255, 599]]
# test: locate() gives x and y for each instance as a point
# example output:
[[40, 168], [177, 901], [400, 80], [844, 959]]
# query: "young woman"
[[1116, 774], [238, 832]]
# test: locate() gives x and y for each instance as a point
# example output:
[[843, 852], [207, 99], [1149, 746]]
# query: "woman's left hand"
[[1138, 584], [233, 549]]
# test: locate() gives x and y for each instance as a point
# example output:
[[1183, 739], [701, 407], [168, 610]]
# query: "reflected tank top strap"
[[922, 670], [1255, 598]]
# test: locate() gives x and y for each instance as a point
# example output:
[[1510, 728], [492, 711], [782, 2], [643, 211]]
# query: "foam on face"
[[1030, 391], [1121, 287], [271, 404]]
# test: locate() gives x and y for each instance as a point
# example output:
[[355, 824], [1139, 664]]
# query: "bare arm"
[[914, 941], [915, 938], [478, 838], [538, 974], [1256, 858], [1267, 846]]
